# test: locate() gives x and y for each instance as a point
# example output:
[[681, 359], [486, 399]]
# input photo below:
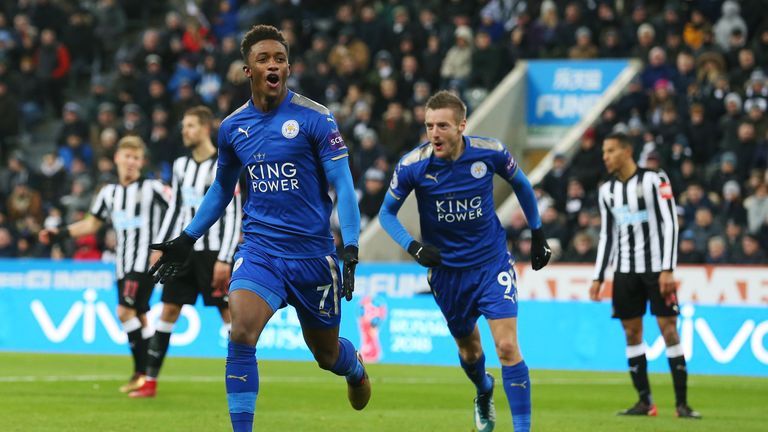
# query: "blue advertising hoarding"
[[65, 307], [560, 92]]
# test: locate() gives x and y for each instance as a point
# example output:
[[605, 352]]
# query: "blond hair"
[[132, 142]]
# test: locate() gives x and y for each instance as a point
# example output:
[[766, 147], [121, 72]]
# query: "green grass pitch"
[[60, 393]]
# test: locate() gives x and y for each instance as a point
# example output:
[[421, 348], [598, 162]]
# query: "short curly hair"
[[259, 33]]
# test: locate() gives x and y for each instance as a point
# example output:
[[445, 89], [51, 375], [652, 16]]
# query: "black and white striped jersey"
[[191, 180], [136, 211], [639, 225]]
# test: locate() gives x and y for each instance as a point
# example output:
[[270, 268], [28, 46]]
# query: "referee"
[[135, 206], [639, 236], [208, 268]]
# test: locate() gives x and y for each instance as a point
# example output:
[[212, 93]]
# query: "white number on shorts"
[[508, 282], [324, 289]]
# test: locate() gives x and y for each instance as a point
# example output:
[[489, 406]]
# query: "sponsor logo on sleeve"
[[665, 189], [335, 141]]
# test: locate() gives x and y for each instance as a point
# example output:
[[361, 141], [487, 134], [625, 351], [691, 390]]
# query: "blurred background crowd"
[[76, 76]]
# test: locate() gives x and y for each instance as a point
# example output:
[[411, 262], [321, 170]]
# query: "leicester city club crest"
[[290, 129], [478, 169]]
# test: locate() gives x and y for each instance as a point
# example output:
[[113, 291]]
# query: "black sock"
[[138, 349], [638, 370], [158, 347], [679, 379]]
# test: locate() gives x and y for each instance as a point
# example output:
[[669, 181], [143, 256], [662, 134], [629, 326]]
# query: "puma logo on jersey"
[[244, 131], [431, 177], [243, 378]]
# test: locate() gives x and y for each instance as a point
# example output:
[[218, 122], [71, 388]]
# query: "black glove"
[[348, 280], [175, 253], [426, 255], [540, 251]]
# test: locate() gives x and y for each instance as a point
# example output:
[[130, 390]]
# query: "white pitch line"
[[284, 379]]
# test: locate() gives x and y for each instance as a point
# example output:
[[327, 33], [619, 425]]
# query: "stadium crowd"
[[99, 70]]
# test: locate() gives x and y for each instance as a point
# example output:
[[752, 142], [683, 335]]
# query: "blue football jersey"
[[455, 199], [288, 210]]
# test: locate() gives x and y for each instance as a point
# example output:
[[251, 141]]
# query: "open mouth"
[[273, 80], [438, 146]]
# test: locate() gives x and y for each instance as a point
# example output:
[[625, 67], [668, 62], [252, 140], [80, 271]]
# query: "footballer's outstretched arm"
[[338, 174], [526, 197], [390, 223], [540, 250]]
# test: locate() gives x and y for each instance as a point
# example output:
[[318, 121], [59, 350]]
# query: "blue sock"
[[347, 364], [476, 374], [517, 385], [242, 381]]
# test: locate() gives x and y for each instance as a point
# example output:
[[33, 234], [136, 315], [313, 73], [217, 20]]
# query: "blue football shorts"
[[464, 294], [311, 285]]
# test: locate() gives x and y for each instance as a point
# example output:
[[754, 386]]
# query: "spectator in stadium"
[[486, 62], [732, 235], [394, 132], [456, 67], [646, 37], [760, 45], [53, 64], [610, 44], [755, 108], [51, 178], [110, 25], [716, 251], [553, 225], [224, 23], [584, 164], [695, 28], [732, 208], [728, 23], [117, 203], [75, 148], [757, 208], [256, 290], [685, 70], [728, 124], [687, 253], [369, 153], [749, 251], [746, 146], [555, 181], [584, 48], [582, 250], [702, 135], [704, 227], [30, 93], [549, 25], [23, 201], [636, 281], [576, 199], [739, 75], [73, 123], [371, 195], [469, 270]]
